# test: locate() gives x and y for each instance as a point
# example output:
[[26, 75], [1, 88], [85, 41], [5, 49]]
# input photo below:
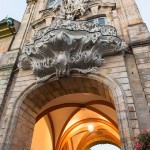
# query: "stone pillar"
[[131, 12], [8, 67], [138, 66], [140, 112], [8, 60]]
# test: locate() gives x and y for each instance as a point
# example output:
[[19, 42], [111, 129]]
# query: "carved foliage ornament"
[[68, 46]]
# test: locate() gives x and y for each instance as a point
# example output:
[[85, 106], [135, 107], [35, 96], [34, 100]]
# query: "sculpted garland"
[[69, 46]]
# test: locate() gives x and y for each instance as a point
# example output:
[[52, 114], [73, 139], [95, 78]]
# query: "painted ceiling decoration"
[[68, 46]]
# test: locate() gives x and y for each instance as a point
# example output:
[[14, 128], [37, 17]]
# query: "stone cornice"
[[6, 29], [30, 1], [139, 43]]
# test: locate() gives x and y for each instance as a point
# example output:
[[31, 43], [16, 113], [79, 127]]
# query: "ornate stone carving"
[[69, 9], [69, 46]]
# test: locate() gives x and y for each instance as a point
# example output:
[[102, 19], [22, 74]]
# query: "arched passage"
[[70, 96]]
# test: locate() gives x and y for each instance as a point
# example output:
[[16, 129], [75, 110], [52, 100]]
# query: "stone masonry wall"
[[6, 74], [140, 45], [113, 68], [142, 57], [129, 72]]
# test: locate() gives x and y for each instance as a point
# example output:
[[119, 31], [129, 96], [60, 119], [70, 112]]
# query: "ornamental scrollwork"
[[68, 46]]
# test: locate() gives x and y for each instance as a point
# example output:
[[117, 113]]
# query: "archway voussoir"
[[33, 100]]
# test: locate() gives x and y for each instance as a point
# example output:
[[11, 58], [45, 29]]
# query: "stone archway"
[[30, 106]]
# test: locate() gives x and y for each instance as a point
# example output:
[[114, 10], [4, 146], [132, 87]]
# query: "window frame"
[[92, 18], [48, 3], [105, 21], [97, 20]]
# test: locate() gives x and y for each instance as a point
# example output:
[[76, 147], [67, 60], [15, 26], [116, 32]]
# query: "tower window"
[[101, 21], [50, 3]]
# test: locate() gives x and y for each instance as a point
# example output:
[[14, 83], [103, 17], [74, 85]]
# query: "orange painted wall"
[[41, 137]]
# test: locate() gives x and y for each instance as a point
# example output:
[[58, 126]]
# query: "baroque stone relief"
[[69, 9], [72, 10], [69, 46]]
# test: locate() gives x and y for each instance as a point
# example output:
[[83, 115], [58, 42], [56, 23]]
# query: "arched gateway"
[[77, 75], [70, 104]]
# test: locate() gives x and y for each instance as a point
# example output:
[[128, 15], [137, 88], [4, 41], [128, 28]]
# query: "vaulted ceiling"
[[68, 117]]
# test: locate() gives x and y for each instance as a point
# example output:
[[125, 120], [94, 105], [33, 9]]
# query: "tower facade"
[[76, 64]]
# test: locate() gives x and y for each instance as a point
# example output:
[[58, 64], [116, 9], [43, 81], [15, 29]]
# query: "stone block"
[[141, 50], [141, 55], [15, 94], [129, 100], [2, 91], [144, 71], [123, 115], [147, 90], [136, 132], [128, 93], [146, 84], [131, 107], [143, 66], [142, 61], [133, 115], [123, 80], [134, 124], [119, 75], [138, 32], [113, 65], [141, 108], [110, 59], [1, 96], [25, 78], [3, 82], [3, 86], [138, 96], [126, 87], [148, 98]]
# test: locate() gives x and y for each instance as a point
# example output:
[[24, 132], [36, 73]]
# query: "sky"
[[104, 147], [15, 9]]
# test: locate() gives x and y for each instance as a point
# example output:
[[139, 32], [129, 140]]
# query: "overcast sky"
[[15, 9]]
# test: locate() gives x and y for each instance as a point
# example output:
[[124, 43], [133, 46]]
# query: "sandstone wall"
[[131, 73]]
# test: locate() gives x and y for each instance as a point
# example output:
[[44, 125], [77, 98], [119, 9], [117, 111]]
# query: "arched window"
[[51, 3]]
